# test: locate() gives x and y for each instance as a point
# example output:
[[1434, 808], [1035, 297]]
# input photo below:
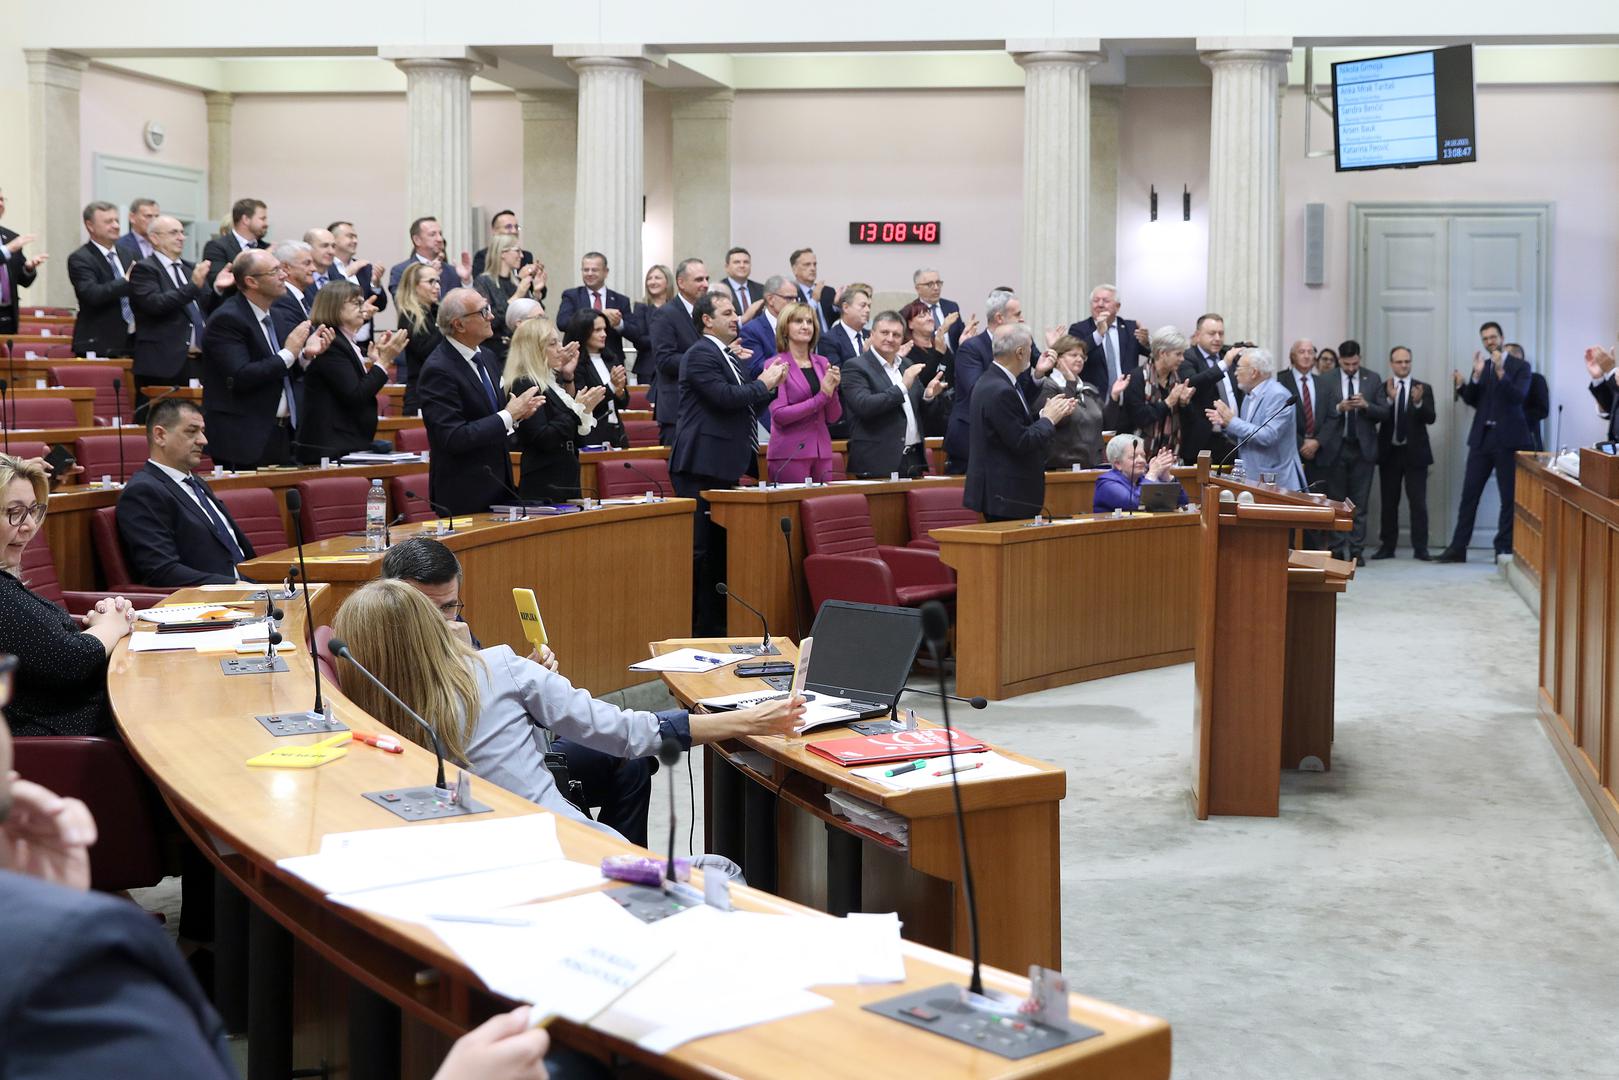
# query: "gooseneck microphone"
[[1042, 514], [792, 577], [6, 416], [975, 702], [295, 503], [118, 422], [648, 477], [669, 754], [1286, 405], [438, 508], [724, 590], [340, 648], [520, 501]]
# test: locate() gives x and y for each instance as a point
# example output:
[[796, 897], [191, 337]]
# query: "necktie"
[[197, 325], [5, 284], [320, 282], [860, 341], [1401, 422], [1349, 415], [595, 300], [488, 386], [820, 316], [214, 520], [744, 292], [1112, 352], [286, 379], [123, 301], [1309, 407], [1225, 388]]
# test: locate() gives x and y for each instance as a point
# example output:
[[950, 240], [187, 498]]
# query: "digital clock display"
[[893, 232]]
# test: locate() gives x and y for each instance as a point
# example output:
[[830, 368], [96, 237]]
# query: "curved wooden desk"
[[191, 728]]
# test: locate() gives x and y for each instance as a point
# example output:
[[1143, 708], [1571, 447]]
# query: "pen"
[[902, 769], [962, 769], [380, 742], [710, 659], [485, 920]]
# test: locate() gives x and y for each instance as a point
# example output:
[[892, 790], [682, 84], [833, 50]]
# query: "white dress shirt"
[[467, 353], [913, 431], [169, 267], [284, 408]]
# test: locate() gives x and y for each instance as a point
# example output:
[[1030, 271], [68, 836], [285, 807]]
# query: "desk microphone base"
[[300, 723], [756, 650], [424, 803], [948, 1011], [252, 665]]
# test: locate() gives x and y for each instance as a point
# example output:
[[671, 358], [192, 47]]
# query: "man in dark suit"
[[504, 223], [886, 403], [946, 313], [174, 530], [1315, 400], [467, 427], [1497, 390], [847, 337], [1349, 476], [427, 244], [673, 332], [1212, 374], [1006, 467], [973, 358], [812, 291], [1114, 347], [16, 271], [358, 272], [249, 221], [250, 369], [1403, 453], [170, 298], [746, 294], [1599, 364], [1538, 405], [594, 295], [758, 334], [133, 246], [298, 268], [101, 285], [715, 440]]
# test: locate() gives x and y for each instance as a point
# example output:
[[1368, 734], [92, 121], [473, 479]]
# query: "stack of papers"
[[870, 817], [368, 457], [379, 858], [972, 768], [227, 639], [689, 661], [819, 710], [180, 613]]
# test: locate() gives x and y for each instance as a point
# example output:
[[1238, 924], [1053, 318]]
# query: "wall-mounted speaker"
[[1315, 243]]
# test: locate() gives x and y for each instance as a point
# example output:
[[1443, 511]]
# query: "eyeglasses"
[[16, 515], [452, 610], [929, 284]]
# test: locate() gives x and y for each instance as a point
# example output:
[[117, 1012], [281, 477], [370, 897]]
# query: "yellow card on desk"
[[303, 757], [528, 613]]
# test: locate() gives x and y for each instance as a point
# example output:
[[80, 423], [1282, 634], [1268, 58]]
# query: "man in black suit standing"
[[250, 368], [847, 337], [16, 271], [1538, 405], [1497, 390], [1403, 453], [169, 298], [674, 330], [594, 295], [1212, 373], [101, 285], [946, 313], [298, 268], [1315, 399], [747, 295], [973, 358], [1114, 347], [1006, 467], [504, 223], [467, 426], [174, 530], [886, 404], [1357, 413], [358, 272], [134, 246], [816, 293], [249, 221], [716, 440], [427, 244], [1600, 366]]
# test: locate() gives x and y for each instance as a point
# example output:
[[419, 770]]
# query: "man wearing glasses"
[[946, 313], [505, 223], [759, 332], [467, 426]]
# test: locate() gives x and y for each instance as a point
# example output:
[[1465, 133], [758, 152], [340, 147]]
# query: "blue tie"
[[286, 380], [123, 301], [488, 385], [218, 523]]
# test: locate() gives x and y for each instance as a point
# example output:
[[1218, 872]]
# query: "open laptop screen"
[[863, 651]]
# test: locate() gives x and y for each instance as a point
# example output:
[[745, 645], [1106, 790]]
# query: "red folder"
[[896, 746]]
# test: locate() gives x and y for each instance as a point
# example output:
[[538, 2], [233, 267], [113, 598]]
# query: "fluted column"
[[700, 135], [438, 173], [53, 143], [609, 188], [220, 107], [1102, 224], [1245, 205], [550, 171], [1056, 176]]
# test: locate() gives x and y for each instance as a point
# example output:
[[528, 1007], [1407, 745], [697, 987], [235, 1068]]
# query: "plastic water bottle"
[[376, 517]]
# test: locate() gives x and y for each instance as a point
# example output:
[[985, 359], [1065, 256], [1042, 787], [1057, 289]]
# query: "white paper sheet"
[[377, 858], [227, 639], [689, 660], [474, 894], [991, 766]]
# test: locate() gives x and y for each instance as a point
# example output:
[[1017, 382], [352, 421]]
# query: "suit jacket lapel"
[[187, 504]]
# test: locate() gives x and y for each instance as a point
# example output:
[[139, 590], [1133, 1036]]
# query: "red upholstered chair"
[[936, 506], [115, 570], [936, 457], [127, 854], [41, 413], [258, 514], [631, 477], [100, 376], [45, 329], [39, 574], [324, 657], [414, 509], [99, 456], [42, 350], [332, 506], [389, 404], [840, 467], [845, 562], [410, 440], [642, 432], [639, 400]]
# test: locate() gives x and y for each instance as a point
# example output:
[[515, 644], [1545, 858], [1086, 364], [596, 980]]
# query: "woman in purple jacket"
[[805, 403]]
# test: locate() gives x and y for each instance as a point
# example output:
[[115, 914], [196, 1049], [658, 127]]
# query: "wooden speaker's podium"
[[1265, 642]]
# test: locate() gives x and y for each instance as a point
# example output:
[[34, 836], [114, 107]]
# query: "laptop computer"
[[1156, 498]]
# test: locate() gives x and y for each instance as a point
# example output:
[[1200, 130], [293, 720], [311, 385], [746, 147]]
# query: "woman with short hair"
[[1079, 438], [1120, 487], [339, 410]]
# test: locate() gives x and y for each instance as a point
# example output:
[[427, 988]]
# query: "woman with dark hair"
[[597, 367], [341, 384], [417, 299], [927, 348]]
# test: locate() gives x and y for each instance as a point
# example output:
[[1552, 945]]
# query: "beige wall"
[[113, 111]]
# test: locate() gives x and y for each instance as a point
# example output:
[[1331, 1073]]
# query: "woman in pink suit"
[[805, 403]]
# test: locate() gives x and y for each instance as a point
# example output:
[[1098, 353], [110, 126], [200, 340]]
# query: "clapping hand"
[[318, 342], [34, 261], [294, 341], [570, 352], [1141, 336], [972, 326], [936, 386], [911, 374], [750, 311], [1162, 462], [1220, 415], [522, 406], [1416, 393], [1043, 366], [620, 379], [17, 243], [465, 269], [590, 397], [615, 317], [1117, 392], [775, 373], [369, 308], [904, 350], [1059, 408], [1478, 364], [1598, 361], [224, 280], [525, 279], [1052, 334], [199, 273], [950, 320], [389, 345], [1179, 395], [829, 384]]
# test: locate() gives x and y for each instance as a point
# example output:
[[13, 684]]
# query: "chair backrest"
[[110, 550], [106, 405], [840, 467], [45, 329], [36, 412], [837, 525], [332, 506], [639, 398], [324, 657], [642, 432], [414, 509], [389, 404], [636, 476], [42, 350], [258, 514], [936, 507], [99, 456], [39, 571], [411, 440], [936, 460]]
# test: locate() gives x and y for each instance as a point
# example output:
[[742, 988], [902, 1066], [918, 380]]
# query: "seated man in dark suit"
[[470, 468], [886, 405], [249, 221], [170, 299], [173, 529], [1006, 467], [716, 440], [673, 332], [973, 357], [929, 287], [249, 370], [746, 293], [594, 295], [101, 285], [1115, 348]]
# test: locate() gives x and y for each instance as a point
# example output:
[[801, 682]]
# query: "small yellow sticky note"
[[528, 613], [303, 757]]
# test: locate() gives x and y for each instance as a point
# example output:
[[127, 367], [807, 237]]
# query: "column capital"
[[433, 65], [1240, 50], [603, 50], [219, 104], [1082, 51], [55, 67], [638, 64]]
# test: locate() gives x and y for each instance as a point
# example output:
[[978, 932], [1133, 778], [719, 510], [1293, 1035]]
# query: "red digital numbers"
[[893, 232], [928, 232]]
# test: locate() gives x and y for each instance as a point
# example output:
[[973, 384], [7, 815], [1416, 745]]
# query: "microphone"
[[669, 754], [271, 614], [792, 576], [438, 508], [975, 702], [1288, 404], [764, 647], [295, 503], [507, 485], [118, 425], [1042, 513], [1557, 437], [340, 648], [649, 478], [339, 451], [6, 416]]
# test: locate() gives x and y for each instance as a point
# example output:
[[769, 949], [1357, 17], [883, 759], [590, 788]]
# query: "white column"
[[220, 107], [700, 135], [438, 170], [1056, 177], [610, 184], [1102, 226], [550, 149], [53, 149], [1245, 205]]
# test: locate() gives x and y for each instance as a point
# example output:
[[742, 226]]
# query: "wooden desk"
[[190, 727], [1310, 680], [1044, 606], [810, 855], [608, 581]]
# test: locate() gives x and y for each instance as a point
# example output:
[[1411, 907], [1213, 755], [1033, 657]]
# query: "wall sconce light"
[[1186, 203], [1153, 202]]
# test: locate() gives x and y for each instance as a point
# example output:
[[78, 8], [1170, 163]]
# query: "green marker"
[[903, 769]]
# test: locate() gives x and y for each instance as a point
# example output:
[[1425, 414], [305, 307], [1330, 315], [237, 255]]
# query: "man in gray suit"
[[885, 403], [1267, 427], [1315, 397], [1356, 414]]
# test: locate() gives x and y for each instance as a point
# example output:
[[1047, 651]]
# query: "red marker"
[[380, 742]]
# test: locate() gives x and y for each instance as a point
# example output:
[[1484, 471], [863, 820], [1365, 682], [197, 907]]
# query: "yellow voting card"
[[304, 757], [528, 612]]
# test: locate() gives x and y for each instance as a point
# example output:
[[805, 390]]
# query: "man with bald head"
[[467, 425], [170, 299], [322, 250]]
